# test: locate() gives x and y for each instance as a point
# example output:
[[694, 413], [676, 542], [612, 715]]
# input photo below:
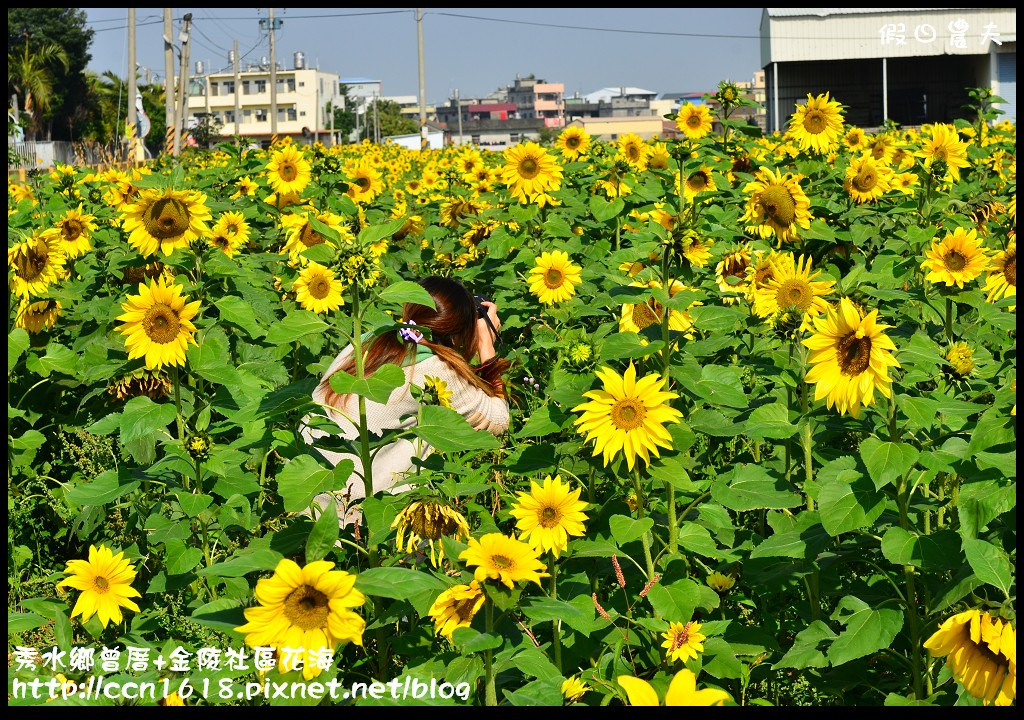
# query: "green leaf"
[[770, 421], [18, 342], [626, 345], [297, 324], [377, 387], [468, 640], [750, 487], [418, 588], [982, 502], [543, 692], [237, 311], [546, 420], [23, 622], [867, 630], [721, 386], [675, 602], [938, 551], [990, 564], [142, 417], [371, 234], [848, 502], [244, 562], [447, 431], [324, 533], [106, 486], [223, 614], [406, 291], [193, 504], [805, 652], [887, 461], [625, 529], [57, 359], [697, 539], [805, 541], [179, 558], [303, 478], [604, 210], [543, 609]]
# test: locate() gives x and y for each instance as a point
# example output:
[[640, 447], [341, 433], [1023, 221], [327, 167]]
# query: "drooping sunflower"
[[436, 392], [554, 277], [37, 262], [105, 580], [850, 357], [681, 692], [1002, 274], [573, 688], [817, 124], [529, 171], [694, 121], [720, 582], [549, 514], [157, 324], [944, 145], [627, 416], [37, 316], [229, 233], [318, 289], [793, 286], [153, 384], [309, 608], [288, 171], [731, 274], [697, 182], [960, 357], [761, 271], [455, 608], [573, 142], [866, 180], [504, 559], [454, 211], [776, 205], [981, 652], [683, 641], [430, 521], [634, 151], [957, 259], [301, 235], [697, 251], [76, 227], [165, 220], [365, 182], [638, 316]]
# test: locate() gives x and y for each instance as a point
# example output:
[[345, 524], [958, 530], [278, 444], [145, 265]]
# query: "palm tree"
[[30, 77]]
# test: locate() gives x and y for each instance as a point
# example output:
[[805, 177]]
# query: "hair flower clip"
[[410, 334]]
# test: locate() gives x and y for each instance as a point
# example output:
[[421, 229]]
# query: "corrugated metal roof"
[[824, 12]]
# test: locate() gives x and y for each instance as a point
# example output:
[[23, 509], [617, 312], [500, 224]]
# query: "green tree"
[[30, 79], [390, 119], [66, 28], [344, 119]]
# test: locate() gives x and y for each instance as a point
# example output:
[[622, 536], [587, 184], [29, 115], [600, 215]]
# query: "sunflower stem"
[[490, 696], [641, 503], [949, 319], [556, 632], [903, 499], [180, 420]]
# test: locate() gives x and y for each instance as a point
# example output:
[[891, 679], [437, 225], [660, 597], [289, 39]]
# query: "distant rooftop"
[[823, 12], [356, 81]]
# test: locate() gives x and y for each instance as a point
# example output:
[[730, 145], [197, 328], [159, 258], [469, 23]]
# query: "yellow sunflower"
[[905, 182], [573, 689], [855, 139], [720, 582], [694, 121], [944, 145], [430, 521], [761, 271], [817, 124], [309, 608], [165, 220], [288, 172], [318, 289], [530, 171], [229, 233], [960, 357], [246, 186], [627, 416], [866, 180], [554, 277], [365, 182], [504, 559], [776, 205], [659, 157], [436, 392], [881, 148], [633, 150], [76, 227], [105, 580], [731, 274], [37, 263], [681, 692], [20, 192], [301, 235], [573, 142], [549, 514], [850, 357], [1002, 274], [981, 652], [454, 211], [792, 285], [697, 251], [639, 316], [683, 641], [158, 325], [37, 316], [697, 182], [455, 608], [957, 259]]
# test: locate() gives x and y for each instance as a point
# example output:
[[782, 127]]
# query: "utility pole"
[[376, 119], [170, 121], [423, 81], [316, 109], [273, 79], [133, 115], [458, 109], [238, 89], [334, 99], [182, 84]]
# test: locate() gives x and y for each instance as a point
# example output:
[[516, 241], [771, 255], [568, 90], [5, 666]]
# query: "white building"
[[912, 65]]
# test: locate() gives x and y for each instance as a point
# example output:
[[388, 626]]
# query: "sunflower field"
[[762, 446]]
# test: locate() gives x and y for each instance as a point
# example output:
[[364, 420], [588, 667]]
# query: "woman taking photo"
[[456, 335]]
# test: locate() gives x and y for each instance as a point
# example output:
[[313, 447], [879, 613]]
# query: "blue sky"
[[671, 51]]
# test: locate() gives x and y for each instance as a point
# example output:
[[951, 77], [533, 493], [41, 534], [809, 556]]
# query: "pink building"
[[536, 99]]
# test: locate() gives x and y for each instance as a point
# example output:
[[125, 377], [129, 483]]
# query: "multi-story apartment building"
[[409, 106], [537, 99], [303, 95]]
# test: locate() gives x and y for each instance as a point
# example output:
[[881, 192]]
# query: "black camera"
[[481, 312]]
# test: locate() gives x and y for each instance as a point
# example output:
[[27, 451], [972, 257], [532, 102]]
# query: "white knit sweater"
[[393, 462]]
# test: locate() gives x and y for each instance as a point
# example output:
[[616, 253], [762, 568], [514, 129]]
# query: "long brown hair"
[[452, 337]]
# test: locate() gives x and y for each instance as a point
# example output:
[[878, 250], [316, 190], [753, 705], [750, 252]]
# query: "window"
[[246, 88], [513, 137], [227, 87], [291, 114], [286, 85], [247, 115], [213, 89], [229, 116], [475, 139], [262, 115], [615, 136], [261, 86], [303, 113]]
